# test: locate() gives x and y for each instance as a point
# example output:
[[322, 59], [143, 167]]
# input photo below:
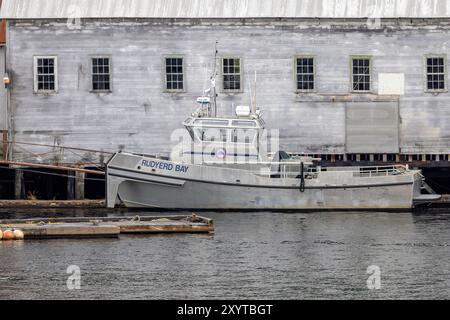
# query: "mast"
[[254, 97], [213, 78]]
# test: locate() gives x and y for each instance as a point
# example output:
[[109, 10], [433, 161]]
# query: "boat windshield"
[[211, 122], [223, 130], [243, 135], [243, 123], [211, 134]]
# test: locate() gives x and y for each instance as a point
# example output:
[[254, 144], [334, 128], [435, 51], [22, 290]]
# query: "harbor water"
[[251, 255]]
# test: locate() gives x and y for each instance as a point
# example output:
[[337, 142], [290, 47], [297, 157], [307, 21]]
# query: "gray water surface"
[[257, 255]]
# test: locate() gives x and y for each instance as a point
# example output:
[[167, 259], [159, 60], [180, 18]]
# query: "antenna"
[[254, 98], [213, 78], [252, 92]]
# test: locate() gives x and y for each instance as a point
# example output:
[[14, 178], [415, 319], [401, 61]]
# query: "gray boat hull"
[[139, 181]]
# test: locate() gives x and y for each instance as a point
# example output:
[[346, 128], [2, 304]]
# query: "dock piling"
[[70, 186], [79, 185], [19, 186]]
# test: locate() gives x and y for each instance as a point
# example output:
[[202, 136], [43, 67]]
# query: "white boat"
[[223, 166]]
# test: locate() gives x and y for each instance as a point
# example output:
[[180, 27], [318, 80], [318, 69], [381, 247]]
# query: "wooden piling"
[[75, 185], [70, 186], [19, 187], [79, 185], [5, 145]]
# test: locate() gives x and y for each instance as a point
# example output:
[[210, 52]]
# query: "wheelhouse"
[[228, 130]]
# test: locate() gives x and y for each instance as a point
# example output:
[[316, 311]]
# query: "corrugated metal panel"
[[35, 9]]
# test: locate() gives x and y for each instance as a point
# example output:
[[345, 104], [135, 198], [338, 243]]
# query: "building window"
[[45, 74], [304, 71], [231, 71], [435, 73], [361, 74], [174, 74], [101, 74]]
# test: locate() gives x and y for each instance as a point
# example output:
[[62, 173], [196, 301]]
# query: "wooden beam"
[[49, 166], [59, 147]]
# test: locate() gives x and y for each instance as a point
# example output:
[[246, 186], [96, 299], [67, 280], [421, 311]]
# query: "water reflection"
[[251, 255]]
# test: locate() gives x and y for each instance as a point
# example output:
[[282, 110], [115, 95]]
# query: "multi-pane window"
[[45, 74], [361, 73], [231, 71], [435, 73], [174, 74], [101, 74], [304, 70]]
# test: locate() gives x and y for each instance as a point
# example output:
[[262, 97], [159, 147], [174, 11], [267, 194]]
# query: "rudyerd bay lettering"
[[164, 166]]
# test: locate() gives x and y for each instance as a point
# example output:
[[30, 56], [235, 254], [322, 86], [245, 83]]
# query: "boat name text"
[[164, 166]]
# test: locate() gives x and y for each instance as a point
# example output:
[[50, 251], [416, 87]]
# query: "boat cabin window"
[[243, 135], [191, 132], [223, 130], [261, 122], [212, 134], [211, 122], [243, 123]]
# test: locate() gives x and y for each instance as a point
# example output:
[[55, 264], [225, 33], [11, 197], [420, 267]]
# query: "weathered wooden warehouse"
[[348, 78]]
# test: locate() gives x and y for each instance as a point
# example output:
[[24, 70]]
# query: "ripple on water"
[[251, 255]]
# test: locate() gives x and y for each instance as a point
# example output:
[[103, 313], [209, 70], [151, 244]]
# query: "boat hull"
[[220, 188], [199, 195]]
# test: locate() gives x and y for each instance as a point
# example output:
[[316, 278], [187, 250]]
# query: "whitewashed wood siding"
[[140, 117]]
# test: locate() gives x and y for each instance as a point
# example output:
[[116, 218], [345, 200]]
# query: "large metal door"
[[372, 127]]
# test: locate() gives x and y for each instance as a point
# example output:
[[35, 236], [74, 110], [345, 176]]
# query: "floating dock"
[[107, 227]]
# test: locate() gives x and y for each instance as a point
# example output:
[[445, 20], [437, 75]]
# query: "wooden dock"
[[45, 204], [66, 230], [47, 228]]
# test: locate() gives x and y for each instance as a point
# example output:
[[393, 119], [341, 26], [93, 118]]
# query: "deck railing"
[[369, 171], [380, 171]]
